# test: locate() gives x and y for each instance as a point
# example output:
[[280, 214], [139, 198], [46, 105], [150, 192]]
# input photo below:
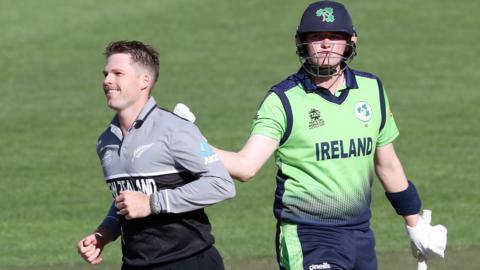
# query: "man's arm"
[[270, 122], [427, 241], [213, 184], [110, 226], [392, 176], [91, 246], [243, 165], [191, 153]]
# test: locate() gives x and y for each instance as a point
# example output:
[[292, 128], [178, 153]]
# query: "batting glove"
[[427, 240]]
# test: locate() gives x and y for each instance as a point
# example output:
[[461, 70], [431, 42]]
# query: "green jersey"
[[326, 147]]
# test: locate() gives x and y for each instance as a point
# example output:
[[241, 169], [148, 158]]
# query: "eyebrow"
[[113, 70]]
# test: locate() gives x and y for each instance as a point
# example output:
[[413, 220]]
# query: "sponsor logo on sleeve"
[[207, 153], [107, 158]]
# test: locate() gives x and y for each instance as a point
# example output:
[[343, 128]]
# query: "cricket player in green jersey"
[[331, 130]]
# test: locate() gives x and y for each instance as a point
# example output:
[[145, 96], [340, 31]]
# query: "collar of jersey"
[[147, 109], [309, 86]]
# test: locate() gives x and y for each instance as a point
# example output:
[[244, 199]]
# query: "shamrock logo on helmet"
[[326, 14]]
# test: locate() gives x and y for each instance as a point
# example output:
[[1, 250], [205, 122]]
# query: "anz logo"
[[207, 153]]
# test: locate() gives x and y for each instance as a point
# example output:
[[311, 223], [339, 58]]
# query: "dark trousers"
[[208, 259], [326, 248]]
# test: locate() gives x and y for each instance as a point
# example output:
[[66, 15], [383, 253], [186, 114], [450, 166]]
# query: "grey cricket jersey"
[[167, 157]]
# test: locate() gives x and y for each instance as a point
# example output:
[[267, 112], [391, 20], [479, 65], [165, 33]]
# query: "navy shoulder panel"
[[365, 74], [288, 83], [381, 94], [280, 89]]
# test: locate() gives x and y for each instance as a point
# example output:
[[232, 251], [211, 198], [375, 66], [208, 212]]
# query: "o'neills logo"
[[324, 265]]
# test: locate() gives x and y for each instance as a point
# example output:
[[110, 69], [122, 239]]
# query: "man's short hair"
[[140, 53]]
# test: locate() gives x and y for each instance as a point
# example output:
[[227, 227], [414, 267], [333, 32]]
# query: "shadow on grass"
[[465, 259]]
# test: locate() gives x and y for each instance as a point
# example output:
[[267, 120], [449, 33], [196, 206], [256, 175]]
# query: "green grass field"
[[220, 58]]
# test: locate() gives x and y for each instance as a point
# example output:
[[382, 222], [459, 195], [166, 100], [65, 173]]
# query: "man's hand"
[[91, 247], [183, 111], [427, 240], [133, 204]]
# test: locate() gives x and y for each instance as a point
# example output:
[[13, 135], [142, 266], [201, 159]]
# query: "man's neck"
[[127, 117], [332, 83]]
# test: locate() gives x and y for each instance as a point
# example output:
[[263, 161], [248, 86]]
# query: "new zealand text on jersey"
[[344, 148], [146, 186]]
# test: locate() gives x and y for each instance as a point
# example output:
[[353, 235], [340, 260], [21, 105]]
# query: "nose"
[[107, 79], [325, 42]]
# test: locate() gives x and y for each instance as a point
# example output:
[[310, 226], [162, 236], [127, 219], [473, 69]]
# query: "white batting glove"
[[183, 111], [427, 240]]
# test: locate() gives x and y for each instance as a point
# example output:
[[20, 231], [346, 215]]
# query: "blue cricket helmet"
[[325, 16]]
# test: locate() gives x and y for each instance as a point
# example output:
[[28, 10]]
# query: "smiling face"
[[326, 48], [125, 84]]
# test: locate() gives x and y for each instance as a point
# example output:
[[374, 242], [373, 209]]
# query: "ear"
[[146, 81], [354, 39]]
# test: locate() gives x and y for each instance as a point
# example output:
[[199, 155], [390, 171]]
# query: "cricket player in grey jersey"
[[160, 170]]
